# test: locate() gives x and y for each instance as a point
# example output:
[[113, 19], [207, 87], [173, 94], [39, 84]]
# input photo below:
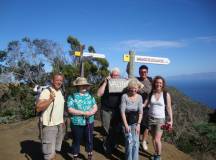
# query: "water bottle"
[[130, 138]]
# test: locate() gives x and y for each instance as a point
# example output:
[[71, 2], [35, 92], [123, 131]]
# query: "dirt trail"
[[19, 141]]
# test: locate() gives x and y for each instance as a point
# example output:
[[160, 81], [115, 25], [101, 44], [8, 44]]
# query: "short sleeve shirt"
[[127, 105], [145, 91], [83, 103], [53, 115]]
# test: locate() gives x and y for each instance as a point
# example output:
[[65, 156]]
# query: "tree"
[[95, 68], [27, 59], [98, 69], [52, 51], [3, 56], [91, 49], [75, 45]]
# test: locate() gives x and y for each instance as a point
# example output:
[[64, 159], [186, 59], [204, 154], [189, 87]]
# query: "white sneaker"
[[144, 145]]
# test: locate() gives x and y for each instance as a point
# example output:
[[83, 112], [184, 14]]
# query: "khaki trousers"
[[52, 137]]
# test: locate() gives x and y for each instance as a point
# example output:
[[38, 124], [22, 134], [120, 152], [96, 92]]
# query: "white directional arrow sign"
[[95, 55], [154, 60]]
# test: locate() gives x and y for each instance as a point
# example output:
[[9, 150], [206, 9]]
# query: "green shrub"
[[207, 138], [7, 119], [186, 143], [17, 103]]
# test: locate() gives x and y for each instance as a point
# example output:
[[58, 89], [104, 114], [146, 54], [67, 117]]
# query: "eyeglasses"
[[143, 71], [115, 75], [132, 89]]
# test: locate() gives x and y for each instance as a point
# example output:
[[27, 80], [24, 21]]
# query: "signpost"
[[94, 55], [154, 60], [147, 59], [131, 58], [117, 85], [87, 54], [82, 54], [126, 57]]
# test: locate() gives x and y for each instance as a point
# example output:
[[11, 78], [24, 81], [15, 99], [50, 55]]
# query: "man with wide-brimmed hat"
[[82, 106]]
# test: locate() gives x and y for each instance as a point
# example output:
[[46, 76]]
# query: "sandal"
[[89, 156], [75, 157]]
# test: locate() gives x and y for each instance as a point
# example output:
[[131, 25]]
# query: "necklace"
[[157, 95], [132, 98]]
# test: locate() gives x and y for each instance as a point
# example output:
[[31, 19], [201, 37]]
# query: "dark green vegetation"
[[23, 65], [17, 103]]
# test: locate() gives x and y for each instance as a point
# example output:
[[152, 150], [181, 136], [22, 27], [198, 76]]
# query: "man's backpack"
[[39, 114], [37, 99]]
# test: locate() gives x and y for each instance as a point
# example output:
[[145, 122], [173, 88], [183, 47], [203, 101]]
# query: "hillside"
[[19, 141], [192, 133], [187, 115]]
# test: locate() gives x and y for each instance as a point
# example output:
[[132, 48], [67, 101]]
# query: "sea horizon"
[[202, 91]]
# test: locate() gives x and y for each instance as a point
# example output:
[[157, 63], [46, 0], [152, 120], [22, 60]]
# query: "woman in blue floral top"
[[82, 107]]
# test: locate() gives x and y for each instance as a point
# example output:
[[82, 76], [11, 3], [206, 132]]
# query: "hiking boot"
[[144, 145], [156, 157]]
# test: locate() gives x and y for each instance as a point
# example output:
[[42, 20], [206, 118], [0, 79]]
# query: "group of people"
[[136, 111]]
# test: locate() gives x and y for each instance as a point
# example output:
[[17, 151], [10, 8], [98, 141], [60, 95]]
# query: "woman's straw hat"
[[81, 81]]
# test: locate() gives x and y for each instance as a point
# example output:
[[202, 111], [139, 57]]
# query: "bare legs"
[[156, 139]]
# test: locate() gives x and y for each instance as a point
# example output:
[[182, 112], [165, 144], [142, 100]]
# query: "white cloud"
[[139, 44], [207, 38]]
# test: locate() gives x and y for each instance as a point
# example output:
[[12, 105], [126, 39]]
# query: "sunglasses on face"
[[132, 89], [143, 72]]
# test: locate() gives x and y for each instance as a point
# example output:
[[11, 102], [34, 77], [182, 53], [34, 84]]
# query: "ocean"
[[203, 91]]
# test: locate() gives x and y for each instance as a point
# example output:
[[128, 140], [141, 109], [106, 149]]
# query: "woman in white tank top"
[[157, 113]]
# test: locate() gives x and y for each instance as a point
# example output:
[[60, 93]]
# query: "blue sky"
[[182, 30]]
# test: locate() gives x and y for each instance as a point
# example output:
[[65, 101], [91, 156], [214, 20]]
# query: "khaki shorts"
[[154, 124]]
